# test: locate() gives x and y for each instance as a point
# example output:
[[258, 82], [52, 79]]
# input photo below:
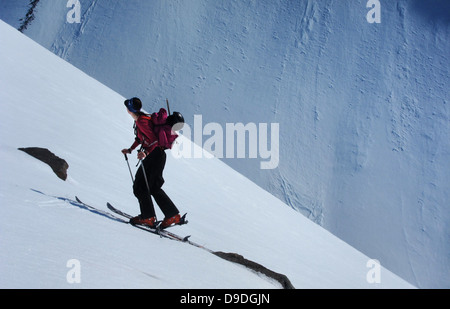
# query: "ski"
[[158, 228], [118, 212], [111, 216], [90, 208], [161, 232], [157, 231]]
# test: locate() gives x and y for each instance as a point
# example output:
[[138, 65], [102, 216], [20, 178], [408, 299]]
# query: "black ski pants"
[[153, 165]]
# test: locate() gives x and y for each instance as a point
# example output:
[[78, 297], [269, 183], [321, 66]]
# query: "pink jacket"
[[145, 134]]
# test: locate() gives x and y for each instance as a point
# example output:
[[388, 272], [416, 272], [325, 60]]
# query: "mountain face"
[[358, 91]]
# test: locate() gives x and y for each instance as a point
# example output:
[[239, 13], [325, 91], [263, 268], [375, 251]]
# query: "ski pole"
[[143, 169], [129, 168], [145, 177], [146, 181]]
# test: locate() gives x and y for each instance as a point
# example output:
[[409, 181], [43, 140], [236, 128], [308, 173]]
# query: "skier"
[[149, 177]]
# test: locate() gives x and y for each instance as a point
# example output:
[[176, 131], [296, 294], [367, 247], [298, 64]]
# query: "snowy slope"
[[363, 108], [48, 103]]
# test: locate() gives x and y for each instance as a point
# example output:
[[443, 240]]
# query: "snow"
[[48, 103], [363, 108]]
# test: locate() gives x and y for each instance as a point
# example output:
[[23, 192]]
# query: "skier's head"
[[134, 105]]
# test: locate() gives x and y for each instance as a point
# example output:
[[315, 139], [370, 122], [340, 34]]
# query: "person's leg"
[[164, 202], [140, 190]]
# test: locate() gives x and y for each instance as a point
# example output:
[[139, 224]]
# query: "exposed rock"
[[26, 21], [239, 259], [58, 165]]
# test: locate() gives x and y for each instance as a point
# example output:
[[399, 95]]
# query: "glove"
[[141, 155], [125, 151]]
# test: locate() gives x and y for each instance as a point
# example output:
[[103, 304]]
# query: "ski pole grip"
[[126, 157]]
